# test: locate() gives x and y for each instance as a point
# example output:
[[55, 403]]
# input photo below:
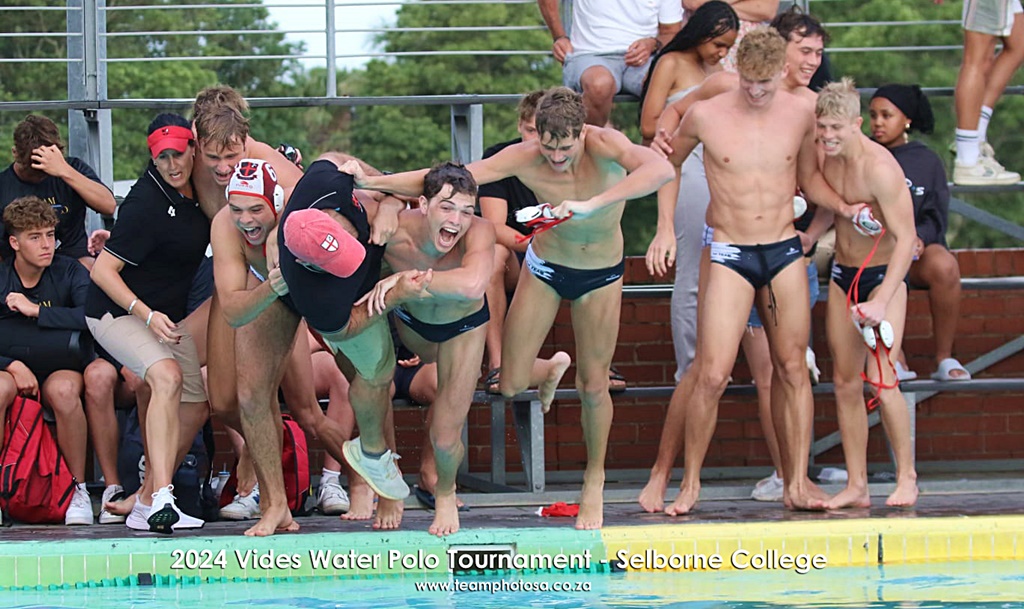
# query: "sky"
[[295, 15]]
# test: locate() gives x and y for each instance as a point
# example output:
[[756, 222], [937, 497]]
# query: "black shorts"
[[324, 300], [439, 333], [403, 381]]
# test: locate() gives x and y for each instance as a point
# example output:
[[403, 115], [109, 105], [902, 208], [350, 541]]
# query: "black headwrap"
[[912, 102]]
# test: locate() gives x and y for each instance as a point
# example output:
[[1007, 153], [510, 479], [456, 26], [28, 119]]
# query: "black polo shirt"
[[511, 189], [161, 236], [66, 202]]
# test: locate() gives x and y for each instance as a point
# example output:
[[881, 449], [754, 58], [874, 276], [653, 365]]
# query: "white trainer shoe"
[[114, 492], [80, 510], [333, 499], [243, 507], [986, 172], [165, 516], [382, 473], [768, 489]]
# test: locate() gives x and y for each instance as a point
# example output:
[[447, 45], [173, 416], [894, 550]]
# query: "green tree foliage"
[[180, 32], [406, 137]]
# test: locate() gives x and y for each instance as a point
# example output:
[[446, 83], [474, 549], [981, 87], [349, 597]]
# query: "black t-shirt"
[[60, 294], [926, 178], [161, 236], [511, 189], [68, 204]]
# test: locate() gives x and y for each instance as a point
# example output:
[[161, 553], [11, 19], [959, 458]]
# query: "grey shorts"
[[628, 79], [992, 17], [130, 342]]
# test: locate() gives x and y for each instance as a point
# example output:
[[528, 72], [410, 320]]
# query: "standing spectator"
[[983, 78], [896, 110], [66, 184], [610, 47], [136, 304], [48, 292]]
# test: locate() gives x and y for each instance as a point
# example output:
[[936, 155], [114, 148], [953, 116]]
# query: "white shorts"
[[992, 17]]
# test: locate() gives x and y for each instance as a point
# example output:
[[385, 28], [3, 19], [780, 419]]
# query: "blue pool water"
[[991, 585]]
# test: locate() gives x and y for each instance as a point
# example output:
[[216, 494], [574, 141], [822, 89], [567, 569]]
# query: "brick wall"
[[968, 426]]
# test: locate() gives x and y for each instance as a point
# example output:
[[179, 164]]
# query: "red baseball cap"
[[256, 178], [316, 239], [172, 136]]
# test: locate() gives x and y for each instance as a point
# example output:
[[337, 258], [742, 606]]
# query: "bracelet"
[[132, 306], [149, 318], [557, 38]]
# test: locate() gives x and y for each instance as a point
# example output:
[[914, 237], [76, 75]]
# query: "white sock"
[[327, 474], [968, 147], [986, 116]]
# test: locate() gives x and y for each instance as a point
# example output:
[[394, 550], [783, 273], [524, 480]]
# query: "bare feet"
[[274, 519], [855, 496], [905, 494], [559, 364], [361, 502], [122, 507], [389, 514], [446, 515], [685, 501], [591, 514], [652, 498], [805, 495]]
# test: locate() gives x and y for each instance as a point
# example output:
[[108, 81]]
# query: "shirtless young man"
[[758, 146], [589, 173], [449, 325], [805, 42], [328, 262], [264, 333], [862, 170]]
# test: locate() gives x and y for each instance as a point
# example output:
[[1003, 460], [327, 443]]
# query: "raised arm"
[[79, 176]]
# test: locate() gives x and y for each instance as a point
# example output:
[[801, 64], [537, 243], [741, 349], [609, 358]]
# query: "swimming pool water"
[[975, 585]]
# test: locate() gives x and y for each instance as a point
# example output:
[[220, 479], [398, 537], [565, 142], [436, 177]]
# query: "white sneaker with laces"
[[165, 516], [80, 510], [114, 492], [333, 499], [243, 507], [768, 489], [986, 172], [382, 473]]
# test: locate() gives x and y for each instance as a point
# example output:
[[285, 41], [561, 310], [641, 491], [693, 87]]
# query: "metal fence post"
[[332, 51], [89, 133], [467, 132]]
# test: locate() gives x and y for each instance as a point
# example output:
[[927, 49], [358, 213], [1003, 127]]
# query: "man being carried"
[[328, 262], [448, 326], [876, 301], [758, 146], [589, 173]]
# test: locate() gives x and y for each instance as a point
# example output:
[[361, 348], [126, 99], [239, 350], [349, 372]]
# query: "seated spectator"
[[896, 110], [610, 46], [751, 13], [135, 305], [68, 185], [44, 294]]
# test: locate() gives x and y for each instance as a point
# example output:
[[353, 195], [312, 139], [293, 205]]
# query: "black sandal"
[[615, 376], [493, 380]]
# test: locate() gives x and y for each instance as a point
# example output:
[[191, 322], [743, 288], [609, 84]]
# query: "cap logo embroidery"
[[329, 243]]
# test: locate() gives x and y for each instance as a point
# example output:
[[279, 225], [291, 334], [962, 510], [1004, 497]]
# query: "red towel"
[[561, 509]]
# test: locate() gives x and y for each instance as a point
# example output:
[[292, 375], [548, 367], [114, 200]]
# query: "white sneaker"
[[243, 507], [166, 517], [137, 519], [114, 492], [333, 499], [986, 172], [382, 474], [80, 510], [812, 366], [768, 489]]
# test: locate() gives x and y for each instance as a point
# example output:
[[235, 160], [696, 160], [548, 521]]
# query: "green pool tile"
[[26, 571], [141, 562], [118, 566], [50, 572]]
